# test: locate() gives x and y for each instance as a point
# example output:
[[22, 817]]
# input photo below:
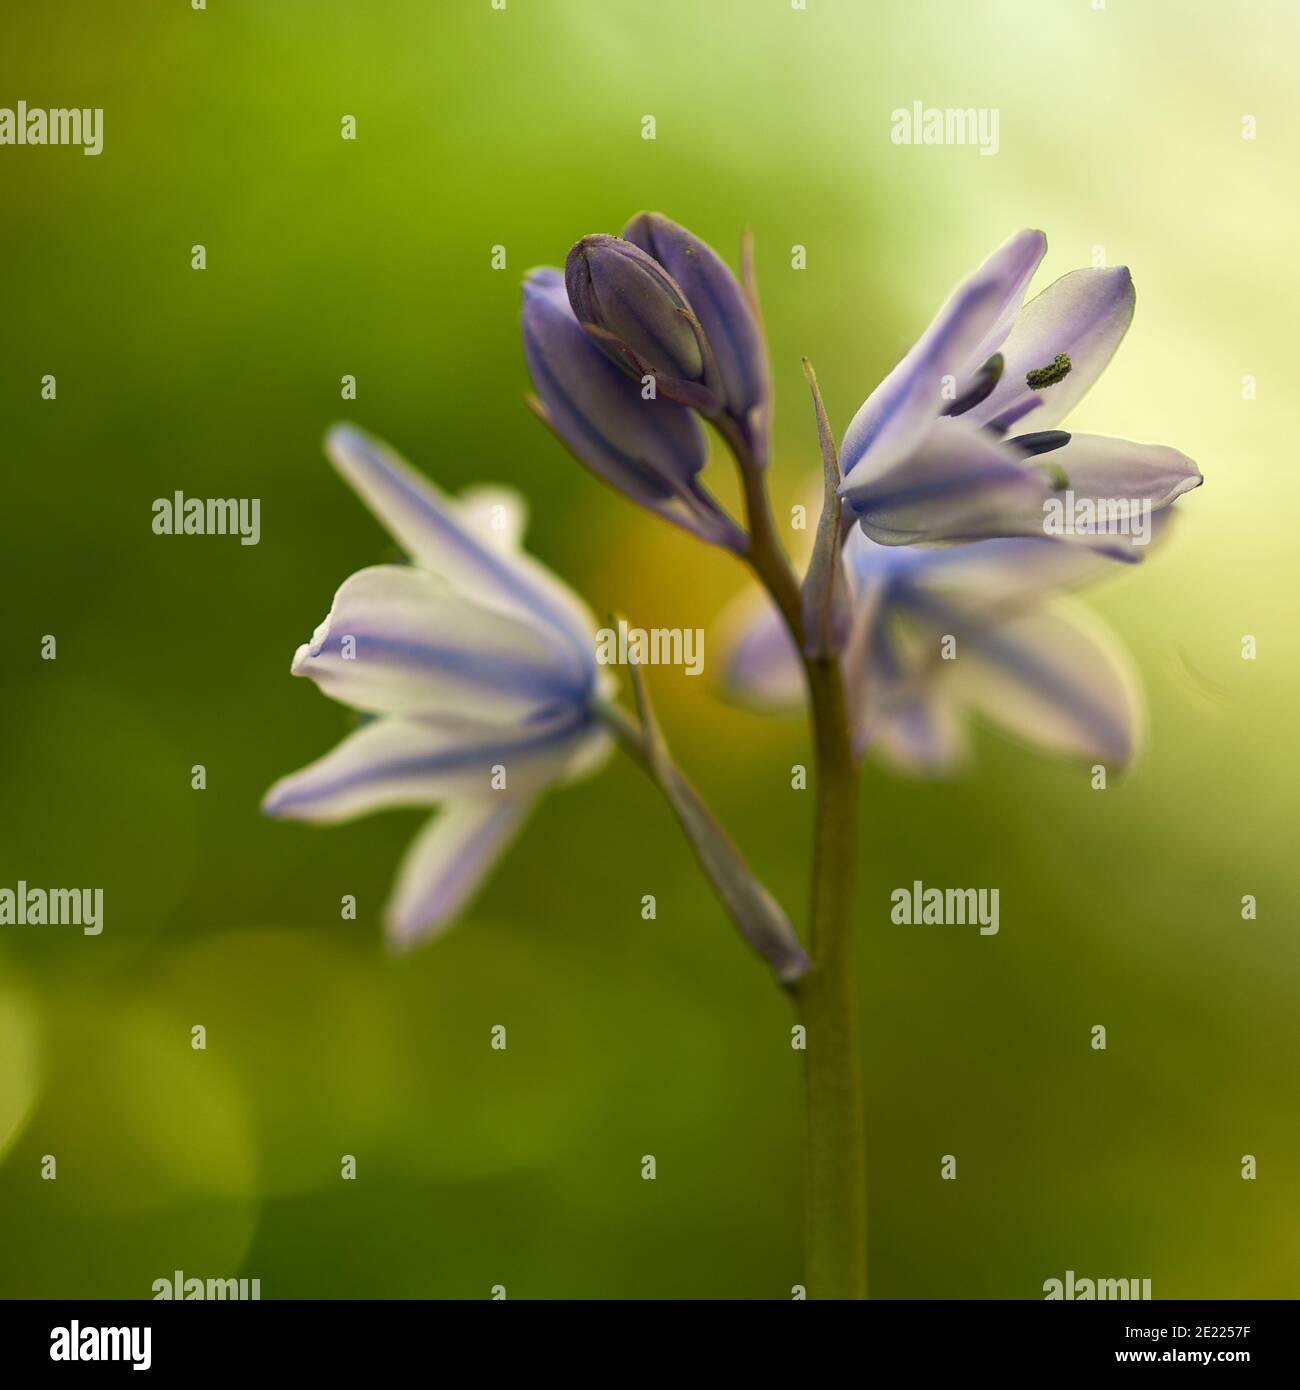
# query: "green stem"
[[835, 1176], [766, 555], [757, 915], [835, 1179]]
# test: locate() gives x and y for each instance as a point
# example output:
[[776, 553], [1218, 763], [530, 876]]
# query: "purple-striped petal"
[[1055, 678], [406, 762], [897, 414], [448, 862], [902, 712], [400, 640], [999, 574], [956, 483], [442, 537], [1117, 495], [1084, 315], [1104, 469]]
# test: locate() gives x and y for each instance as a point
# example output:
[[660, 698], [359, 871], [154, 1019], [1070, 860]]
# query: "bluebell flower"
[[478, 667], [649, 447], [960, 441], [1021, 653], [640, 338]]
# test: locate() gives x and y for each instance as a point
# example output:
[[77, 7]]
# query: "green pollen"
[[1057, 370]]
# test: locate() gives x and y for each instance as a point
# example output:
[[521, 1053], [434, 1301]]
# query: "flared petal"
[[719, 303], [1011, 267], [448, 862], [399, 640], [406, 762], [443, 538], [1084, 315], [921, 734], [650, 450], [956, 483], [1117, 496], [881, 666], [1098, 468], [1001, 574], [897, 414], [1057, 679]]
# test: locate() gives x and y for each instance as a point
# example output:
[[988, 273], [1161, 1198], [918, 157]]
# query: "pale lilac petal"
[[869, 562], [871, 666], [442, 537], [896, 415], [1084, 314], [1012, 267], [920, 734], [448, 862], [884, 664], [1057, 679], [1118, 495], [992, 574], [1104, 500], [404, 762], [1098, 467], [957, 483], [401, 641]]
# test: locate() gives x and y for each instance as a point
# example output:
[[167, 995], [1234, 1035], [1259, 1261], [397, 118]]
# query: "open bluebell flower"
[[480, 668], [960, 442], [650, 448], [1024, 655]]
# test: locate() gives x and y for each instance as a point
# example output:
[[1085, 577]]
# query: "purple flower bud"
[[638, 316], [650, 449], [724, 311]]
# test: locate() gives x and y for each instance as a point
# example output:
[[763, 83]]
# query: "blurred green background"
[[1121, 128]]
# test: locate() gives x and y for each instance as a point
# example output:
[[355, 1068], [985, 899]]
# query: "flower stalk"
[[835, 1182], [835, 1178], [480, 669]]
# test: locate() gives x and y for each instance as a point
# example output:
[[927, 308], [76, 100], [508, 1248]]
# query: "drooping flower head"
[[939, 636], [478, 670]]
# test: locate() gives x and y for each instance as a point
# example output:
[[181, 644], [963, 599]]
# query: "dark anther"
[[986, 379], [1041, 443]]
